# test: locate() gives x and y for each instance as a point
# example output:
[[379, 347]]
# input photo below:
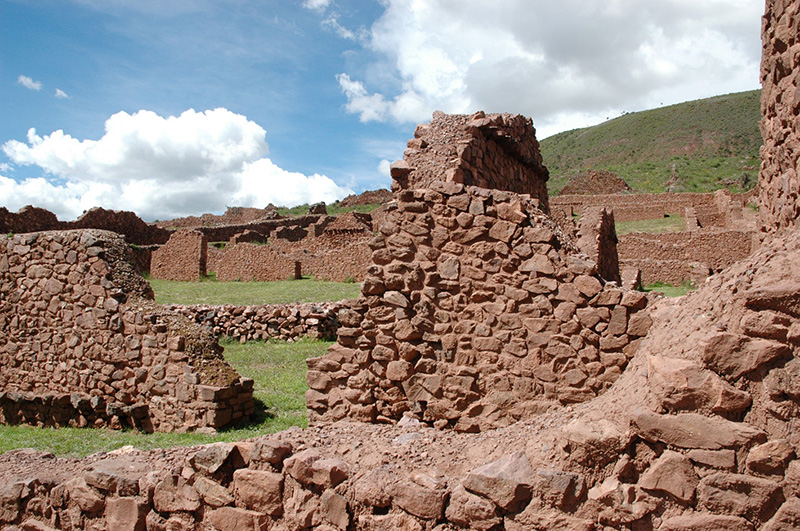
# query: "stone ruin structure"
[[82, 343], [477, 309], [699, 432], [183, 257], [595, 182], [779, 179]]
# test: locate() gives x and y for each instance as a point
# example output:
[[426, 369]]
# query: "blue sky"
[[171, 108]]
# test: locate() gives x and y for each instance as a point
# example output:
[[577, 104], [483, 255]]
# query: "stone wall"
[[476, 311], [81, 344], [32, 219], [495, 151], [638, 207], [182, 258], [597, 238], [286, 322], [250, 261], [677, 256], [779, 179]]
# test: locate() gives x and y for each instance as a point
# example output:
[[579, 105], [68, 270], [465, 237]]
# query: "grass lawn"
[[279, 371], [672, 223], [247, 293], [669, 290]]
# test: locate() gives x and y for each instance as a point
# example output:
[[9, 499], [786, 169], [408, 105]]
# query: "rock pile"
[[81, 344], [595, 182], [286, 322]]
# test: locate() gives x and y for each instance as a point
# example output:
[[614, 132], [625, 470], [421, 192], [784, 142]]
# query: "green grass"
[[278, 369], [250, 293], [653, 226], [697, 146], [332, 209], [669, 290]]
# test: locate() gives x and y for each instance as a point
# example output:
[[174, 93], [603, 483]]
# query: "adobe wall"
[[81, 344], [182, 258], [495, 151], [779, 178], [476, 311], [286, 322], [250, 261]]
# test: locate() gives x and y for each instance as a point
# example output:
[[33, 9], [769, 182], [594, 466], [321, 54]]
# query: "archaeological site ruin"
[[497, 371]]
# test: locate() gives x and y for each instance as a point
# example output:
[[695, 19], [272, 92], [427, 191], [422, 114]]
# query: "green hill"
[[698, 146]]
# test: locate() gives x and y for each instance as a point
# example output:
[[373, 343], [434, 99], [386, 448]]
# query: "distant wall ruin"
[[81, 344], [779, 179], [182, 258]]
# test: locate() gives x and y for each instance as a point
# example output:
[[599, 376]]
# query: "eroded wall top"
[[494, 151]]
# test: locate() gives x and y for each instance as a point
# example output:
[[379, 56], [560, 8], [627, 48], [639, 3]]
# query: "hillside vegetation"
[[698, 146]]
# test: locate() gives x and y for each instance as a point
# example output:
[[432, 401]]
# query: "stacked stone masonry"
[[476, 311], [183, 257], [286, 322], [779, 180], [495, 151], [82, 344]]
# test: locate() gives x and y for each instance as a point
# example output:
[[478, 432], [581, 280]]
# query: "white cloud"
[[316, 5], [60, 94], [29, 83], [565, 63], [159, 168], [384, 167]]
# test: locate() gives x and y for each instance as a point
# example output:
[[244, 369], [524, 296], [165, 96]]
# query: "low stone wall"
[[269, 321], [476, 311], [250, 261], [677, 256], [81, 344], [182, 258]]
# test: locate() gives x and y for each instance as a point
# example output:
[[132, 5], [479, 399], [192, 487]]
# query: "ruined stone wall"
[[779, 178], [495, 151], [182, 258], [638, 207], [286, 322], [250, 261], [476, 311], [663, 257], [223, 233], [82, 345], [597, 238], [27, 219]]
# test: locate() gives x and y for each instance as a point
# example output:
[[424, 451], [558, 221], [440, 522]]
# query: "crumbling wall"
[[286, 322], [250, 261], [82, 345], [495, 151], [779, 178], [182, 258], [595, 182], [476, 311], [638, 207], [123, 222], [677, 256], [598, 240], [27, 219]]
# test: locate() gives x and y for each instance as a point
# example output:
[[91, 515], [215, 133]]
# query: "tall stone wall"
[[82, 344], [476, 311], [779, 179], [183, 257], [250, 261], [495, 151], [597, 237]]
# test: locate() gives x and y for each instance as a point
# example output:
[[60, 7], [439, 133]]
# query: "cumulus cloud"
[[316, 5], [560, 62], [29, 83], [159, 168], [60, 94]]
